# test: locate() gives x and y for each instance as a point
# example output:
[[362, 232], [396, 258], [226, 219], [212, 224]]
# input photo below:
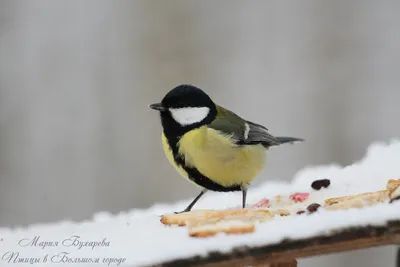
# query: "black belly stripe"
[[195, 175], [207, 183]]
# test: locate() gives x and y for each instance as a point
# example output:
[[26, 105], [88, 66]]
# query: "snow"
[[137, 238]]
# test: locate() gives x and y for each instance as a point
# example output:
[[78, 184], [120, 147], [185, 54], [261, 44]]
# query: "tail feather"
[[291, 140]]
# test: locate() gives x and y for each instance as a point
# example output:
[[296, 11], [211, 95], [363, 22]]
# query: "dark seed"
[[394, 199], [333, 203], [318, 184], [300, 212], [313, 207]]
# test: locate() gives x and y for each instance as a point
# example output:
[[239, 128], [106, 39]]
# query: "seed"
[[318, 184], [313, 207]]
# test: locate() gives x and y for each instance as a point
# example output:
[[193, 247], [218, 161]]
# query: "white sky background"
[[76, 135]]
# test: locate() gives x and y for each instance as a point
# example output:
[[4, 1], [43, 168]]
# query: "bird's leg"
[[188, 208], [244, 193]]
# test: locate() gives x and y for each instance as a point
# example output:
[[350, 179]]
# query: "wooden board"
[[344, 240]]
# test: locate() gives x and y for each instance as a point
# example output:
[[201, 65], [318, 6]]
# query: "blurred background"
[[76, 78]]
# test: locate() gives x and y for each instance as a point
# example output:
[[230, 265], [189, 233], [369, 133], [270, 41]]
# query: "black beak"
[[158, 106]]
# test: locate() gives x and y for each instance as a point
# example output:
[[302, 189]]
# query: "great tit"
[[210, 145]]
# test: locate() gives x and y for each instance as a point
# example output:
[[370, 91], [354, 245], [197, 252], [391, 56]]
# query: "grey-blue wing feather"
[[241, 131], [258, 134]]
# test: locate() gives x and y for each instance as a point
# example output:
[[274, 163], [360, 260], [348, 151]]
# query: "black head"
[[184, 108], [184, 96]]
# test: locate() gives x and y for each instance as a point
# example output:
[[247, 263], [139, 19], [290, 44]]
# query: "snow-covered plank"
[[137, 238]]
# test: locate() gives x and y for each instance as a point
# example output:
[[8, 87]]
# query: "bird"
[[212, 146]]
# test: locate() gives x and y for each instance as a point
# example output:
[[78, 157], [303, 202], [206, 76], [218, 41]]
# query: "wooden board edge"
[[344, 240]]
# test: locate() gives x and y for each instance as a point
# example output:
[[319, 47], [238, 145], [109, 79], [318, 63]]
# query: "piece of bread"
[[227, 221], [280, 212], [357, 201], [395, 194], [198, 215], [392, 185], [214, 226], [242, 214], [181, 218]]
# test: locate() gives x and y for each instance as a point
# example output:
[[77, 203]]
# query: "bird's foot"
[[183, 211], [176, 212]]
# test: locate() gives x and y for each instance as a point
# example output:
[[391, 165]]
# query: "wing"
[[241, 131]]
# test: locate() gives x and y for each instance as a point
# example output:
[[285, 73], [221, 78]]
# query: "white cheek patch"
[[190, 115]]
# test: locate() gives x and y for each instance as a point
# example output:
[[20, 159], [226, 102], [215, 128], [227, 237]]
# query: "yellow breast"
[[217, 158], [170, 156]]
